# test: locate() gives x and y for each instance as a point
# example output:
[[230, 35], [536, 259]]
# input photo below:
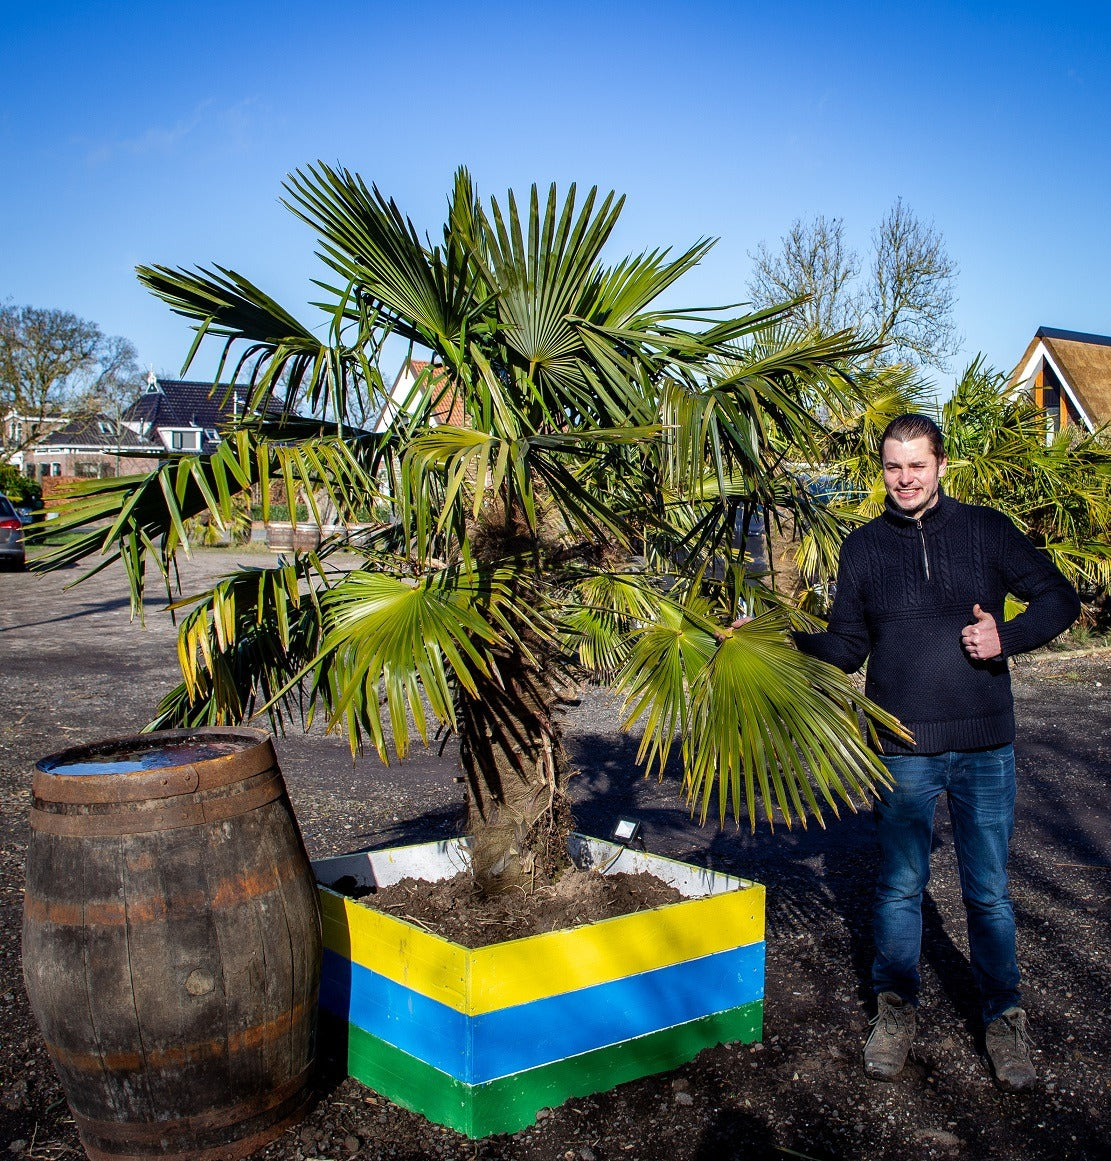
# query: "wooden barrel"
[[283, 537], [279, 536], [171, 942]]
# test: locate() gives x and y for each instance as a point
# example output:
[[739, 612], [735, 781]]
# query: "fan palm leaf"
[[758, 721]]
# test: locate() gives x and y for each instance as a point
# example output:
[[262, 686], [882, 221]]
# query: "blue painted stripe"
[[499, 1043], [529, 1035], [420, 1026]]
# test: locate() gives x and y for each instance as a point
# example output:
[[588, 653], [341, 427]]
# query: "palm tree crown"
[[580, 520]]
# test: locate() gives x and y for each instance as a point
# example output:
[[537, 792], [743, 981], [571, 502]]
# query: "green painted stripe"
[[512, 1102]]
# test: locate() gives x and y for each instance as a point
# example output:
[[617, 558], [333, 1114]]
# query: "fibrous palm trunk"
[[516, 771]]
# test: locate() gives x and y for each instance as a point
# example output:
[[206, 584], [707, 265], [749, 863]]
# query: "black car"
[[11, 536]]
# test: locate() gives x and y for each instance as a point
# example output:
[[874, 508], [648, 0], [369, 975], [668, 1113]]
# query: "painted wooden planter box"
[[480, 1040]]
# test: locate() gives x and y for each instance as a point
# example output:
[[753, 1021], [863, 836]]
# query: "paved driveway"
[[74, 668]]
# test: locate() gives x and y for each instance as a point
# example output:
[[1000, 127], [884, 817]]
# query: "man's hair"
[[912, 426]]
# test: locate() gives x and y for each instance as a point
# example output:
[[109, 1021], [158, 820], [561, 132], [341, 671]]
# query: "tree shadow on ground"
[[733, 1133], [77, 613], [810, 874]]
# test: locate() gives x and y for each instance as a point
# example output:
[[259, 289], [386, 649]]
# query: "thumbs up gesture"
[[981, 638]]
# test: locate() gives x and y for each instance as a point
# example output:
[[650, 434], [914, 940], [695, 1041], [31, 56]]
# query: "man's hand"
[[981, 638], [721, 634]]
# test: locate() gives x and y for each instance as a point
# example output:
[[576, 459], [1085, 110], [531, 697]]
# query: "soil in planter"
[[453, 909]]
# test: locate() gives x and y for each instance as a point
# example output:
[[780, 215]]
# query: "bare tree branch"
[[911, 295], [812, 262], [905, 297], [52, 362]]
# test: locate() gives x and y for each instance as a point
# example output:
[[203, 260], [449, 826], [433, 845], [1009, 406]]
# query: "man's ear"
[[942, 467]]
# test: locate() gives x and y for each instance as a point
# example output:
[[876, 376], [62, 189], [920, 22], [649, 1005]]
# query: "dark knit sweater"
[[905, 590]]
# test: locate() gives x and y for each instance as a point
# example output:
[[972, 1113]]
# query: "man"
[[920, 593]]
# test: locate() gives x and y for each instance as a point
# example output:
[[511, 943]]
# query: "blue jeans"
[[980, 787]]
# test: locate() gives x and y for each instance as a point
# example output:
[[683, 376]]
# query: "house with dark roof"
[[171, 417], [1068, 373], [184, 416], [91, 446]]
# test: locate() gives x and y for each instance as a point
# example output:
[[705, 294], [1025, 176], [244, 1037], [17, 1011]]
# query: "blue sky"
[[161, 134]]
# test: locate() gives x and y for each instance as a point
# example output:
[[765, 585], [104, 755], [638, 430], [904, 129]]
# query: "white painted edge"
[[1023, 381], [690, 880], [432, 861], [443, 859]]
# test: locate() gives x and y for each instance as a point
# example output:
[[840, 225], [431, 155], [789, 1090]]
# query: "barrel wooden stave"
[[178, 998]]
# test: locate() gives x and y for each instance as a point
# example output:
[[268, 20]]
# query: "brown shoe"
[[1008, 1045], [892, 1035]]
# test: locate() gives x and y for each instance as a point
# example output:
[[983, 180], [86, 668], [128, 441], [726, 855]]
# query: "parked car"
[[832, 489], [12, 554], [29, 511]]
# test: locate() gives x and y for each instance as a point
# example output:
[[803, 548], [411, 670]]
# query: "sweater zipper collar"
[[922, 542], [919, 522]]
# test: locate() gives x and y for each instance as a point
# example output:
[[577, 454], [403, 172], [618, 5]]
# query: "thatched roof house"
[[1069, 374]]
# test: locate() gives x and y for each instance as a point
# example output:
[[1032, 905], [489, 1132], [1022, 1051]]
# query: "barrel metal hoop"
[[160, 814], [248, 1039], [166, 782], [234, 891], [98, 1137]]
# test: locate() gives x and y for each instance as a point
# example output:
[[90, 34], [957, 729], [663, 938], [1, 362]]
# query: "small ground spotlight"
[[627, 833]]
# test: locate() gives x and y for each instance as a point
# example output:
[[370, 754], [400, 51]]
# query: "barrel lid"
[[152, 751], [161, 763]]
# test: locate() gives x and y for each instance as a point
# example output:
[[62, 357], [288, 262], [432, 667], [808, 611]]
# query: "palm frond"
[[406, 644], [143, 518], [759, 722], [238, 649], [428, 294]]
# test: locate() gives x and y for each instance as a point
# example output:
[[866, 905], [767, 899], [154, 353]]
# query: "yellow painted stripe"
[[504, 975], [428, 964], [518, 972]]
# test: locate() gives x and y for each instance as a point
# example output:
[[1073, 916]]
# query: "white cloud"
[[229, 128]]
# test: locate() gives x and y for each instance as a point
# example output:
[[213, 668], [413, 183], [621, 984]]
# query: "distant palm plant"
[[1057, 488], [579, 520]]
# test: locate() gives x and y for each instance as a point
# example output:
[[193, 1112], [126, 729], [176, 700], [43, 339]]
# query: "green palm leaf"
[[762, 724], [429, 294], [400, 643]]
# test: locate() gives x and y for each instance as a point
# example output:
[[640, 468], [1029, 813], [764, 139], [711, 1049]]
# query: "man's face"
[[911, 473]]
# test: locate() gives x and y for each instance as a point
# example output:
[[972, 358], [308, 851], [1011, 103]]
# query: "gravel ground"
[[74, 670]]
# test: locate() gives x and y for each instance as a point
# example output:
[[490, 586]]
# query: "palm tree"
[[579, 520], [1055, 486]]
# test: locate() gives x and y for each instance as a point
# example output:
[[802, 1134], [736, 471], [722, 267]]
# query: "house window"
[[55, 468], [184, 440]]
